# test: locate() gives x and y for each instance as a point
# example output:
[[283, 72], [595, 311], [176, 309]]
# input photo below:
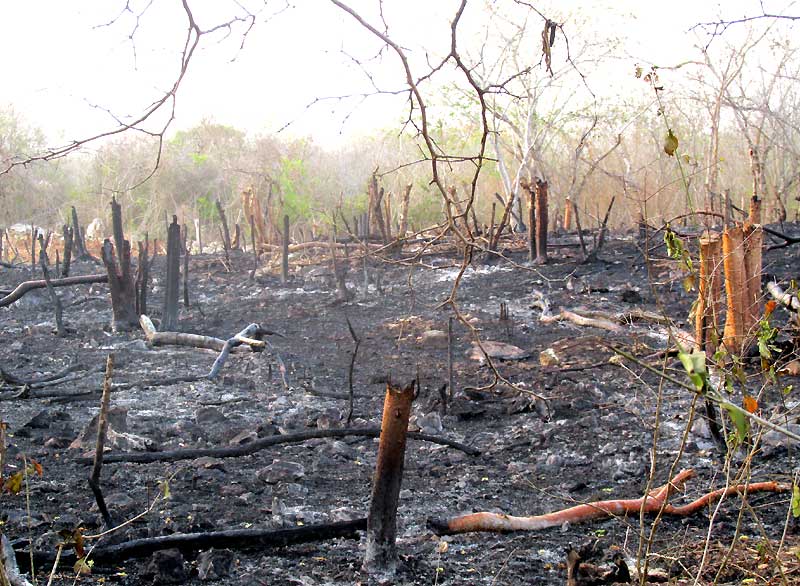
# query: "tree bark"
[[735, 289], [120, 279], [172, 279], [381, 554], [541, 221]]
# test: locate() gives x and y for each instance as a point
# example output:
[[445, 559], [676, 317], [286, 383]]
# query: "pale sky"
[[57, 64]]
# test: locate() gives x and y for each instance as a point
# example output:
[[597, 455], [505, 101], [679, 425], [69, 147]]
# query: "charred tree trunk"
[[377, 225], [142, 282], [403, 219], [57, 307], [285, 258], [226, 234], [602, 232], [381, 554], [172, 280], [120, 279], [80, 242], [567, 215], [186, 254], [531, 223], [33, 250], [68, 243], [541, 221]]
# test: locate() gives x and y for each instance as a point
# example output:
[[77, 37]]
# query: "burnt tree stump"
[[381, 554], [120, 278], [170, 317]]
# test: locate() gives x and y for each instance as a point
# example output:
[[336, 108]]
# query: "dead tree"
[[403, 216], [33, 249], [377, 224], [198, 236], [601, 233], [120, 279], [186, 253], [285, 258], [57, 307], [541, 221], [226, 234], [172, 279], [81, 253], [102, 429], [68, 234], [142, 281], [531, 222], [20, 290], [735, 289], [237, 243], [709, 299], [381, 554]]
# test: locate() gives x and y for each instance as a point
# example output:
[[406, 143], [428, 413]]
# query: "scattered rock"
[[430, 423], [209, 416], [329, 419], [496, 350], [281, 471], [166, 567], [214, 564], [433, 339], [243, 437], [549, 357], [631, 296], [117, 426], [46, 418]]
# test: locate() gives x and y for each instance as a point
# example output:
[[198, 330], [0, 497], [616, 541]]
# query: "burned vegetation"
[[379, 406]]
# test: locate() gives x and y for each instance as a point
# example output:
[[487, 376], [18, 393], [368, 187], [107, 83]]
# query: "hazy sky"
[[59, 66]]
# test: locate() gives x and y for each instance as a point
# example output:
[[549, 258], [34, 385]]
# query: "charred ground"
[[589, 439]]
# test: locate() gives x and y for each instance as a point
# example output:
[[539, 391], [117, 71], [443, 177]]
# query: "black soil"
[[581, 430]]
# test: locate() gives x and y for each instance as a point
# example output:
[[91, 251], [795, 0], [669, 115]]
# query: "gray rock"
[[209, 416], [430, 423], [433, 339], [117, 421], [46, 418], [329, 419], [281, 471], [214, 564], [243, 437], [166, 567], [135, 345]]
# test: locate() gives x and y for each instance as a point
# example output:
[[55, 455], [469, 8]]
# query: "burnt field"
[[555, 418]]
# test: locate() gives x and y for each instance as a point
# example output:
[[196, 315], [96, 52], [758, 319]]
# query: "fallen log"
[[156, 338], [786, 299], [266, 442], [27, 286], [15, 380], [652, 503], [187, 542], [582, 320]]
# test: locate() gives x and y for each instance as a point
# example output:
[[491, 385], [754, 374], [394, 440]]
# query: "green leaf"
[[695, 365], [740, 422], [795, 501]]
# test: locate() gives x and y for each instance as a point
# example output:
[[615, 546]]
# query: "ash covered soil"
[[590, 439]]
